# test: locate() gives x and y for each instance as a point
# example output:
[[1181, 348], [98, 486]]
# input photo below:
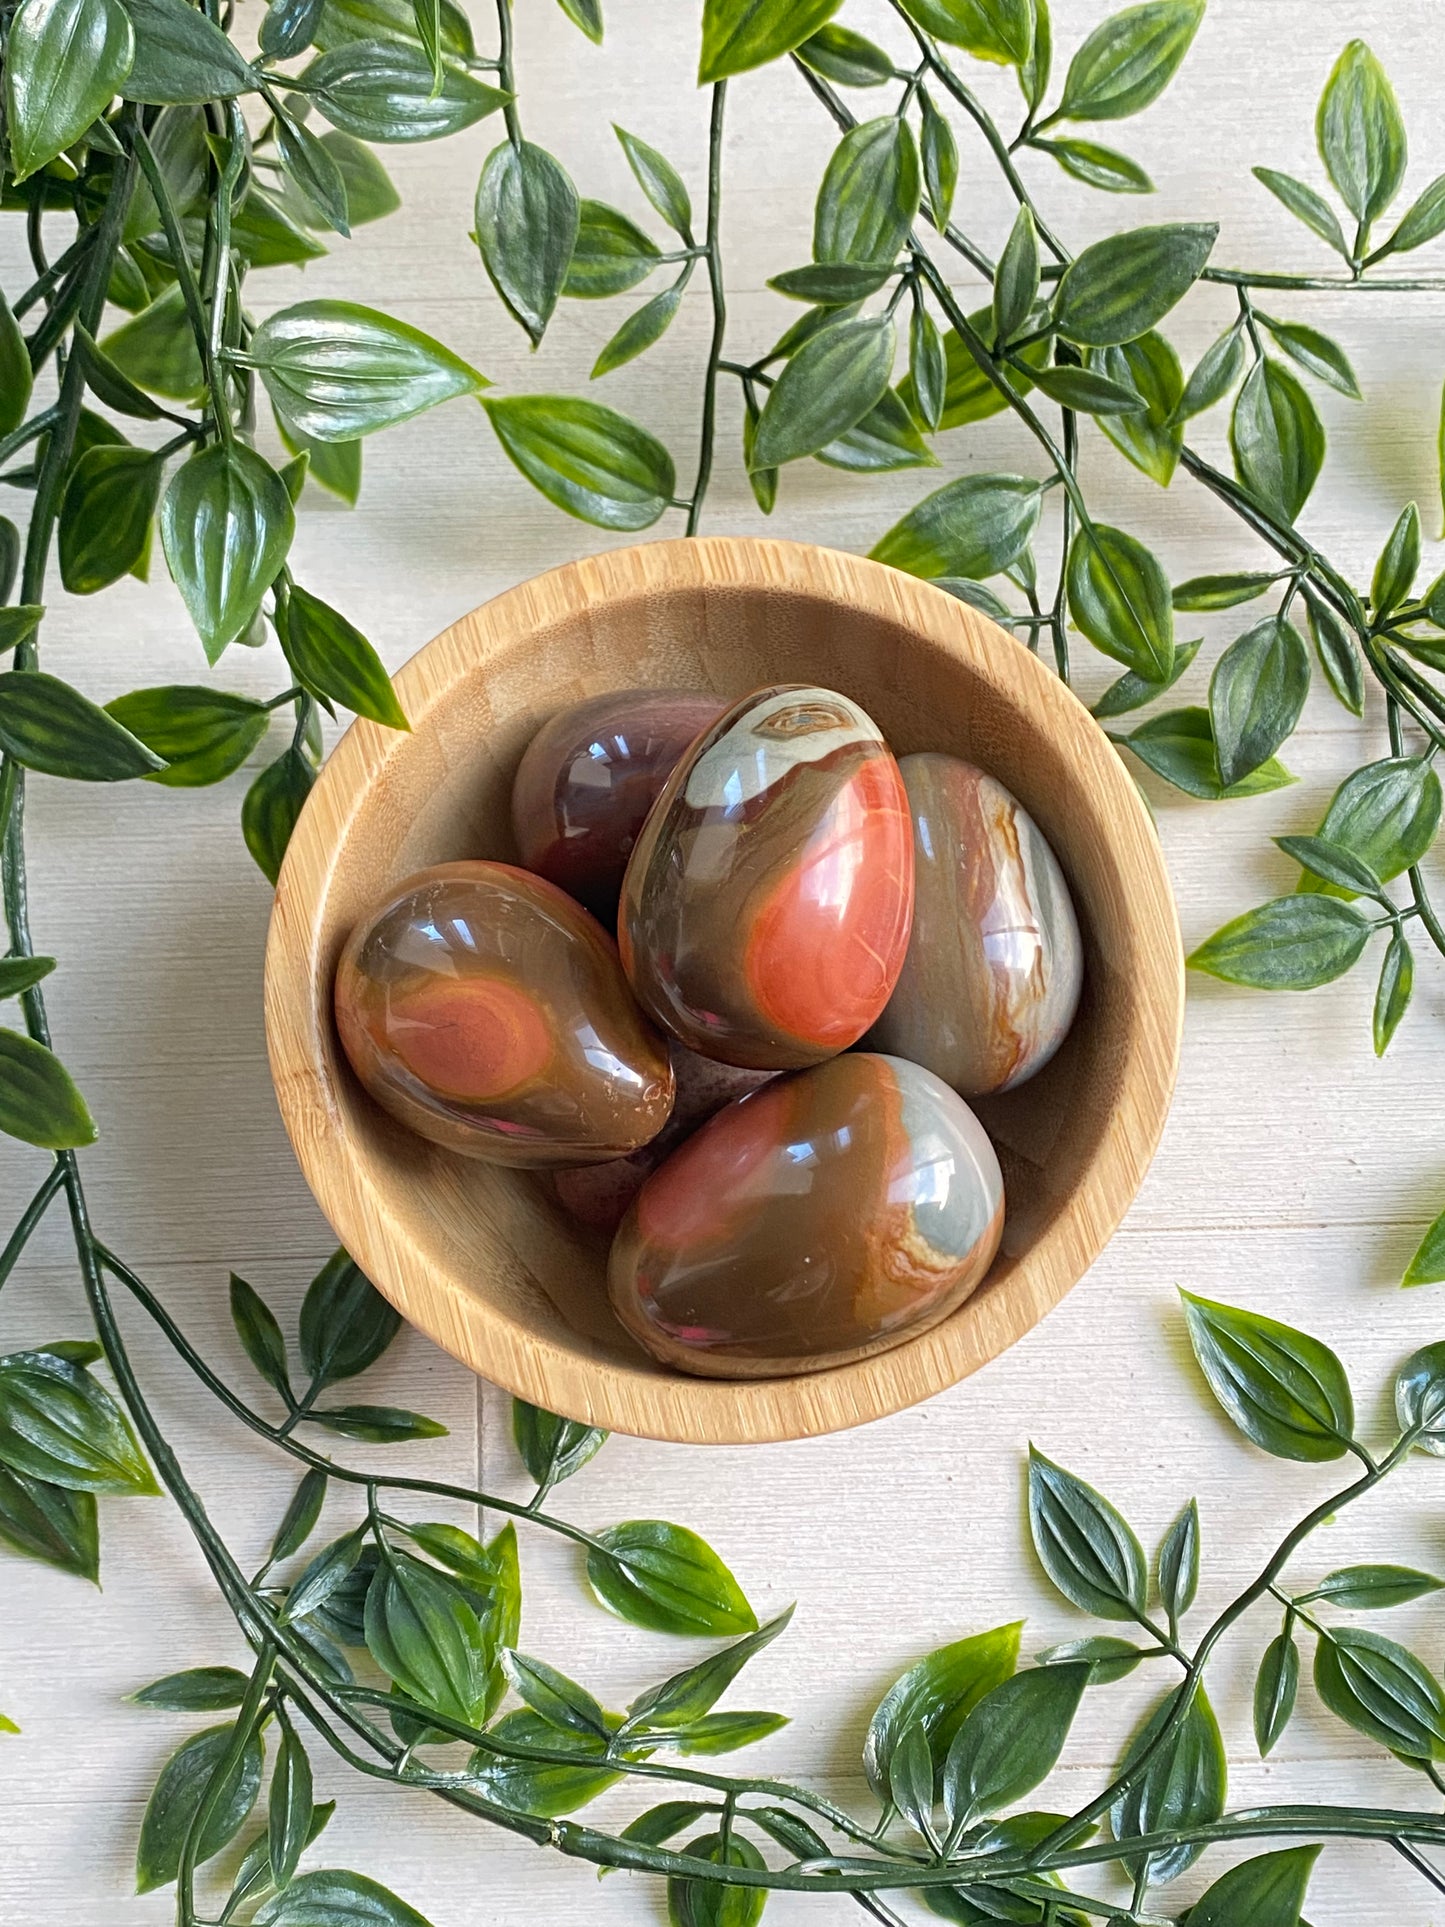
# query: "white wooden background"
[[1295, 1175]]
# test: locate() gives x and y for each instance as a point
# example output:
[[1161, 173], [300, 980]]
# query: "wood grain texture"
[[1295, 1173], [478, 1256]]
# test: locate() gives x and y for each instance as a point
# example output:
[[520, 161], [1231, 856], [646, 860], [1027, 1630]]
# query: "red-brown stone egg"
[[486, 1010], [766, 908]]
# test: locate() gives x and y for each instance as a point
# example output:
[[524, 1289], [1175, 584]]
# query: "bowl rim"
[[638, 1399]]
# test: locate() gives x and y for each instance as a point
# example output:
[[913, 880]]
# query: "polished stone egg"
[[995, 966], [827, 1216], [485, 1009], [766, 906], [588, 779]]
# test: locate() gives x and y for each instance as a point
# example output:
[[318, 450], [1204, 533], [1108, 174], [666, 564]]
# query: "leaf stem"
[[719, 306], [28, 1220]]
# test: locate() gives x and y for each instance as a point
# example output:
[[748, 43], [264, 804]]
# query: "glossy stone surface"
[[588, 778], [598, 1195], [995, 965], [826, 1216], [765, 911], [486, 1010]]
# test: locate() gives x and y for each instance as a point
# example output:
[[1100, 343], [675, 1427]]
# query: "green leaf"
[[1119, 598], [910, 1779], [643, 327], [325, 1576], [427, 1639], [60, 1424], [345, 1324], [1106, 1657], [662, 1823], [181, 55], [1133, 692], [938, 154], [1306, 206], [203, 734], [666, 1578], [289, 27], [290, 1808], [1267, 1891], [1206, 592], [1392, 995], [589, 460], [701, 1903], [1360, 133], [527, 218], [1178, 1566], [332, 658], [533, 1786], [939, 1692], [46, 725], [345, 21], [1084, 1545], [1424, 219], [1387, 814], [260, 1335], [1293, 943], [64, 60], [1275, 1688], [15, 375], [330, 1898], [1427, 1267], [1398, 565], [1120, 287], [552, 1448], [884, 440], [830, 384], [1420, 1381], [253, 1880], [1179, 746], [1149, 435], [314, 170], [1034, 72], [846, 58], [870, 192], [1089, 393], [377, 1424], [335, 465], [1276, 438], [999, 30], [586, 14], [970, 394], [1333, 863], [1256, 695], [50, 1522], [978, 525], [718, 1733], [927, 367], [560, 1701], [1182, 1786], [1382, 1691], [271, 808], [382, 91], [370, 194], [19, 974], [833, 284], [157, 350], [762, 481], [659, 181], [105, 517], [1363, 1589], [1215, 373], [226, 527], [337, 370], [204, 1689], [1314, 352], [1016, 279], [110, 384], [1128, 61], [39, 1103], [612, 254], [176, 1800], [739, 34], [301, 1515], [1011, 1741], [18, 623], [1284, 1390], [1097, 166], [687, 1696]]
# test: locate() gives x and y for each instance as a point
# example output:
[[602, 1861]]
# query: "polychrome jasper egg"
[[589, 777], [824, 1217], [484, 1008], [598, 1195], [995, 966], [765, 910]]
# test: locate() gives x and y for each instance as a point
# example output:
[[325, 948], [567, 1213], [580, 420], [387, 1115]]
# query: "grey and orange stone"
[[486, 1010], [827, 1216], [995, 966]]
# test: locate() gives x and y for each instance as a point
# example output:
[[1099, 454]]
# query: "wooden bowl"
[[481, 1258]]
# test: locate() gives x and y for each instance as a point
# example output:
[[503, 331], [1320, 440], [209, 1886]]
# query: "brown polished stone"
[[588, 778], [486, 1010], [765, 910], [826, 1216]]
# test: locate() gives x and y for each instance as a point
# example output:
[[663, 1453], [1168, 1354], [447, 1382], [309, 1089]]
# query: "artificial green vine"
[[124, 117]]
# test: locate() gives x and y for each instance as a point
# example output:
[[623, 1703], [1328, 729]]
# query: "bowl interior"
[[482, 1258]]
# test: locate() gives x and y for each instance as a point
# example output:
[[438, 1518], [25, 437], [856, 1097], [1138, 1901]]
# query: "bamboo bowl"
[[481, 1258]]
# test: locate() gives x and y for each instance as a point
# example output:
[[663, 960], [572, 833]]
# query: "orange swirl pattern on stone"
[[487, 1011]]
